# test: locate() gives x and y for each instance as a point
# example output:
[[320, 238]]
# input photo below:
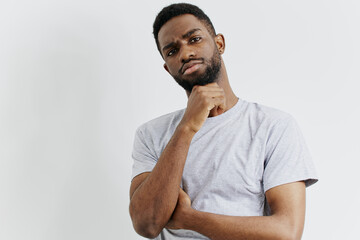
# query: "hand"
[[183, 206], [202, 100]]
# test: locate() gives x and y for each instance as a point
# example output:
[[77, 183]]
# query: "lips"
[[191, 66]]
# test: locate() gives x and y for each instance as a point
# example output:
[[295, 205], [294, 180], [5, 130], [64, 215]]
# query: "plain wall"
[[78, 77]]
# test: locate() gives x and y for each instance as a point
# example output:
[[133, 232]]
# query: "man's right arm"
[[153, 195]]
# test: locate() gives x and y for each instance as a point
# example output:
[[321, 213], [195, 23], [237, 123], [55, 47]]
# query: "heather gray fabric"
[[232, 161]]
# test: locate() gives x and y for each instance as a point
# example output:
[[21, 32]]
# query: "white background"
[[77, 77]]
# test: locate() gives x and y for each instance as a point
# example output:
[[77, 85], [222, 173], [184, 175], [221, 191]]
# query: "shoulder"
[[162, 123], [266, 115]]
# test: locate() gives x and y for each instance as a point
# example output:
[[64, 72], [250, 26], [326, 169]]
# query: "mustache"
[[191, 59]]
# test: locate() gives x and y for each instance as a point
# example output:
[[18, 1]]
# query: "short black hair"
[[178, 9]]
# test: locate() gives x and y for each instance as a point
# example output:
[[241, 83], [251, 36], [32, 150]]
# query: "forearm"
[[155, 199], [222, 227]]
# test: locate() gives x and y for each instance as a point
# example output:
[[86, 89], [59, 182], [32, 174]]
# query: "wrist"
[[185, 129], [189, 218]]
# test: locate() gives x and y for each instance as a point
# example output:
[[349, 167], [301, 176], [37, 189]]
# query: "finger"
[[215, 84], [184, 197], [214, 101], [201, 91], [208, 86], [218, 102], [213, 94], [183, 193]]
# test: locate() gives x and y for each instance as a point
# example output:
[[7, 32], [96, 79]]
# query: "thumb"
[[184, 197], [220, 110]]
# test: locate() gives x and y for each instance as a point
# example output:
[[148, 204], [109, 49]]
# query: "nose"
[[187, 53]]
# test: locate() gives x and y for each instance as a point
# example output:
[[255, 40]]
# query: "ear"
[[220, 43], [166, 67]]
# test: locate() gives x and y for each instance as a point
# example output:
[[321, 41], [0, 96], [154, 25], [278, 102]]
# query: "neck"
[[230, 98]]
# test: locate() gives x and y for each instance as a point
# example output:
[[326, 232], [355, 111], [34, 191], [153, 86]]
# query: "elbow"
[[143, 224], [291, 234], [289, 228], [296, 231], [290, 237], [296, 234], [147, 231]]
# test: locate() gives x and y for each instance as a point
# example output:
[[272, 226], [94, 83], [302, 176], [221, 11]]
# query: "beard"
[[210, 75]]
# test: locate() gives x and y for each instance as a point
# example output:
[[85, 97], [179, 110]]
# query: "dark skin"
[[156, 199]]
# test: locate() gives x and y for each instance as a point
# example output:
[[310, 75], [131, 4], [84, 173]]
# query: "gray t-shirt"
[[232, 160]]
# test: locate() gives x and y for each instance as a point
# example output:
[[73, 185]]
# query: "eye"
[[171, 52], [195, 39]]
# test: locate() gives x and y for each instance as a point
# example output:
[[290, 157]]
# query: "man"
[[222, 168]]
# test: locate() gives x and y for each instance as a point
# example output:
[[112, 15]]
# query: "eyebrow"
[[189, 33], [186, 35]]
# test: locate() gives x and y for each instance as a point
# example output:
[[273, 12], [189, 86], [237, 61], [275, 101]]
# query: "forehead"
[[177, 27]]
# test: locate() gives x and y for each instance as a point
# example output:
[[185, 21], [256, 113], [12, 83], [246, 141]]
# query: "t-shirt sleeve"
[[287, 157], [143, 156]]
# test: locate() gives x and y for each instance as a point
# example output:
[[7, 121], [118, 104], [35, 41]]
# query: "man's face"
[[189, 50]]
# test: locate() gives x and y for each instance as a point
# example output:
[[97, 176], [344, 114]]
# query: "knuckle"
[[202, 94], [206, 101]]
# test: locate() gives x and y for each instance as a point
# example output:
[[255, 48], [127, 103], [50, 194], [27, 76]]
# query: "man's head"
[[187, 41], [178, 9]]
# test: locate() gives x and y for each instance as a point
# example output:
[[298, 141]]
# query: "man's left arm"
[[287, 204]]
